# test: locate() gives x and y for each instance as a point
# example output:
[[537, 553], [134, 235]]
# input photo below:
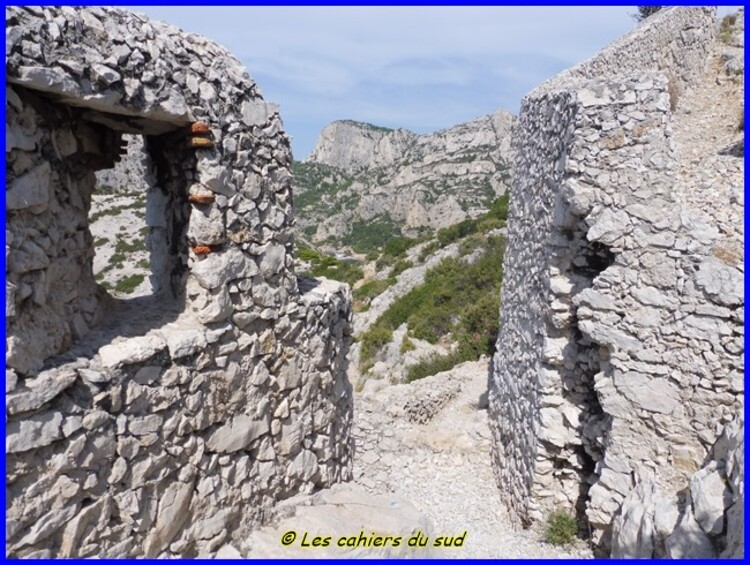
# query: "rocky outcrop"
[[620, 351], [168, 425], [706, 521], [359, 174], [353, 146]]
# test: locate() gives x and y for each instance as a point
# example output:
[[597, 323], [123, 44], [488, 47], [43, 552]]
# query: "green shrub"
[[371, 289], [330, 267], [470, 244], [398, 246], [645, 12], [307, 254], [428, 250], [494, 218], [435, 364], [499, 208], [128, 284], [124, 247], [376, 337], [455, 298], [138, 202], [400, 266], [446, 236], [406, 345], [562, 528], [372, 235]]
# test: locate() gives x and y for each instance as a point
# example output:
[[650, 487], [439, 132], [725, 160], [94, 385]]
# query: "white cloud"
[[415, 67]]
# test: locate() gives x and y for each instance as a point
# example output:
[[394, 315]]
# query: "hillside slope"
[[362, 184]]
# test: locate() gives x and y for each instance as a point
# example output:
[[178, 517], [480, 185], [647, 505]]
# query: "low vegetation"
[[645, 12], [372, 235], [458, 301], [494, 218], [330, 267], [562, 528], [365, 125], [318, 183], [127, 285], [363, 294], [396, 248], [138, 203]]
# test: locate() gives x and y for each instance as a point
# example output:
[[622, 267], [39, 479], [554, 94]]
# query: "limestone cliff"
[[360, 177], [353, 146]]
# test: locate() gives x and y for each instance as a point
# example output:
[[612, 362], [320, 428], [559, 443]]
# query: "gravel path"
[[429, 442]]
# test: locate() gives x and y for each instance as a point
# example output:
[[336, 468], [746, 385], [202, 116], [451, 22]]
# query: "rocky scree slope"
[[363, 184]]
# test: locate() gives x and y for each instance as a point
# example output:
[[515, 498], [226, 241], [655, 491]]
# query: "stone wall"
[[170, 424], [673, 41], [132, 173], [619, 357]]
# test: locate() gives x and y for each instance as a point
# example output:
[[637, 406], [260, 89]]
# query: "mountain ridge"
[[405, 183]]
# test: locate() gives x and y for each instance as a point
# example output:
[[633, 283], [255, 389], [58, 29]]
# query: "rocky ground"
[[429, 442], [422, 463], [708, 131], [118, 226]]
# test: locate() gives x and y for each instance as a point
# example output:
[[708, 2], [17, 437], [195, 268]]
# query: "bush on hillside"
[[456, 299]]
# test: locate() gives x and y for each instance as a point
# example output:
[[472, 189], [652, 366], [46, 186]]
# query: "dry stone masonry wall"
[[165, 425], [620, 354]]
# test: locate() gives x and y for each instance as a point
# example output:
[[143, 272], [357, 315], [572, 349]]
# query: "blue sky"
[[421, 68]]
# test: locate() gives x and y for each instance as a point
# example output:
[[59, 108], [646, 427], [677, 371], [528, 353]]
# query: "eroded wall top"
[[618, 358]]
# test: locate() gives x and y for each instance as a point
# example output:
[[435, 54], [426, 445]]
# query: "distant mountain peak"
[[361, 179], [353, 146]]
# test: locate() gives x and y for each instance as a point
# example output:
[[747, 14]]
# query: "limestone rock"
[[33, 432], [722, 283], [131, 350], [401, 178], [38, 391], [173, 511], [221, 267], [633, 528], [710, 497], [343, 510], [183, 340], [688, 539], [47, 525], [30, 191], [236, 434]]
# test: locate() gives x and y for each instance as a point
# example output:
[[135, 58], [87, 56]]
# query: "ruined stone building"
[[173, 424], [620, 354], [156, 426]]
